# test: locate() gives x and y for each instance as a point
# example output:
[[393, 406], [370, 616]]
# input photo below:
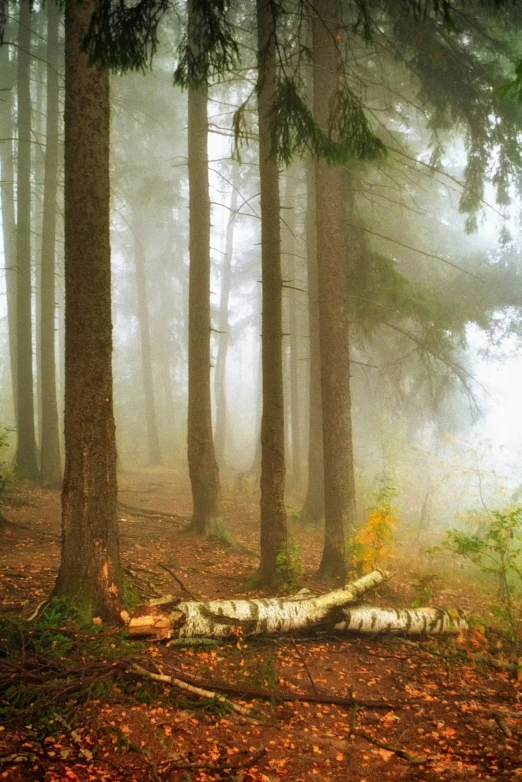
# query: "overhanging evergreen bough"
[[169, 618]]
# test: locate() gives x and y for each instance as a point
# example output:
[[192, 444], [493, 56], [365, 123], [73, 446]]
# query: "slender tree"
[[153, 444], [339, 481], [293, 327], [274, 531], [8, 207], [51, 468], [203, 468], [26, 460], [90, 572], [313, 508], [223, 329]]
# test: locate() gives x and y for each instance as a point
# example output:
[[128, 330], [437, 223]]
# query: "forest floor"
[[445, 716]]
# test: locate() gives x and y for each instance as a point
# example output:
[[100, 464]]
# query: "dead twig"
[[401, 753], [305, 666], [250, 761], [285, 697], [502, 724], [183, 685], [157, 515], [178, 581]]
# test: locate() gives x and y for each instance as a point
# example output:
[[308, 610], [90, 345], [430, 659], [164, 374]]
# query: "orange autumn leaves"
[[374, 543]]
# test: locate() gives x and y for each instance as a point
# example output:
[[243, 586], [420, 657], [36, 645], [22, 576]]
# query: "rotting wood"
[[265, 616], [259, 616]]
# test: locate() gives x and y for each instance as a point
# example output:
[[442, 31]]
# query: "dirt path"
[[449, 719]]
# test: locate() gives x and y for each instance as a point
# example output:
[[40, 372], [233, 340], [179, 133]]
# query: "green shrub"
[[289, 567], [498, 551]]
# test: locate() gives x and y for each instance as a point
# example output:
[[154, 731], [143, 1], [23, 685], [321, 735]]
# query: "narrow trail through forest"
[[445, 717]]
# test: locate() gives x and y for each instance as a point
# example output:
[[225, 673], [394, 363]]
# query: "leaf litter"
[[450, 716]]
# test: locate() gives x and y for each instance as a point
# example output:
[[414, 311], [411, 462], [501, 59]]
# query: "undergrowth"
[[497, 552], [289, 568], [53, 664], [374, 543]]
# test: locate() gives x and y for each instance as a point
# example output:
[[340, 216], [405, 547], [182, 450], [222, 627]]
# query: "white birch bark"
[[259, 616], [407, 621]]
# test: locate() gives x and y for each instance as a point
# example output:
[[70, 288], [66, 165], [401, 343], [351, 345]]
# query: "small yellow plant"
[[374, 542]]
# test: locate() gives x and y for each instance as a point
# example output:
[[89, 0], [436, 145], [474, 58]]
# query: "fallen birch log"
[[409, 621], [259, 616]]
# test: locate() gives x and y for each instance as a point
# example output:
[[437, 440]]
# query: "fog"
[[435, 384]]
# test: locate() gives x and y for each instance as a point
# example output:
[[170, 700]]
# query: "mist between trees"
[[272, 230]]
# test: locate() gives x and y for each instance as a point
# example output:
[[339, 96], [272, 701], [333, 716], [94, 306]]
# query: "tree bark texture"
[[410, 621], [203, 467], [313, 508], [293, 328], [274, 532], [51, 465], [8, 210], [26, 460], [331, 611], [90, 573], [333, 309], [223, 327], [223, 618], [151, 422]]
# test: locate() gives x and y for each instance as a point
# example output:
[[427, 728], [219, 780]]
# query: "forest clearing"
[[440, 714]]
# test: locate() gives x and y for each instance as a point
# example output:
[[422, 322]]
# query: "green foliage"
[[55, 661], [295, 131], [424, 589], [263, 673], [124, 36], [289, 568], [498, 552], [209, 48], [131, 597]]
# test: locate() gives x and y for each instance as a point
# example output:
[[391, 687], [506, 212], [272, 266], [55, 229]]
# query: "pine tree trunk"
[[38, 131], [293, 328], [223, 326], [333, 311], [8, 210], [51, 467], [203, 468], [313, 508], [26, 461], [255, 467], [90, 573], [274, 532], [153, 444]]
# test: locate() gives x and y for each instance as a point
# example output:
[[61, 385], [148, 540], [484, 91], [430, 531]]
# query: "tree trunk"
[[293, 341], [313, 508], [222, 618], [51, 467], [410, 621], [8, 210], [26, 461], [154, 452], [90, 573], [333, 310], [203, 468], [274, 532], [38, 131], [223, 326]]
